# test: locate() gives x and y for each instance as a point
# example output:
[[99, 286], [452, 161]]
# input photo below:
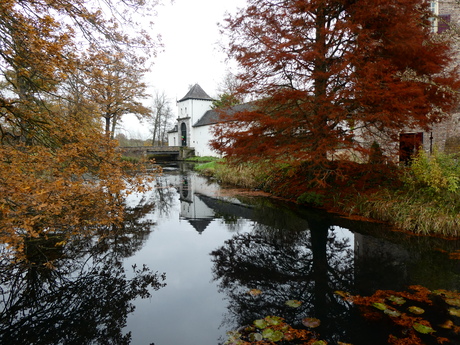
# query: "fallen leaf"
[[293, 303], [311, 322], [254, 292], [342, 294]]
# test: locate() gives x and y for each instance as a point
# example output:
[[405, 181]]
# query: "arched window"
[[183, 133]]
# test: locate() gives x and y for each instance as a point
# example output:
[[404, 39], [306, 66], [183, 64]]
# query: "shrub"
[[311, 198], [436, 173]]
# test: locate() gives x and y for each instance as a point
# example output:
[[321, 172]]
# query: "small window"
[[443, 23]]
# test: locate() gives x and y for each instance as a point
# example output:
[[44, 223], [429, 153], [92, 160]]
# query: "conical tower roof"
[[196, 92]]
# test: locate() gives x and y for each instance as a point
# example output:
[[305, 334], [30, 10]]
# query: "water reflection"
[[214, 249], [295, 253], [76, 292], [301, 259]]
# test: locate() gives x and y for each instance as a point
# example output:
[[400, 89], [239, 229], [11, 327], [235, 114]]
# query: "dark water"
[[214, 249]]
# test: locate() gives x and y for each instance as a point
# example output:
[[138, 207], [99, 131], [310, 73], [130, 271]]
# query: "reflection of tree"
[[75, 292], [89, 306], [128, 237], [165, 196], [309, 268]]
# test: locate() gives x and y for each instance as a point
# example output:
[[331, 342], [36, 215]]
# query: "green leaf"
[[319, 342], [261, 323], [311, 322], [415, 310], [293, 303], [423, 329], [380, 306], [397, 300]]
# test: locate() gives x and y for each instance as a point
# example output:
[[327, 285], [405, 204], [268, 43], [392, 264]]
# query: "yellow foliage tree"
[[115, 85], [59, 173]]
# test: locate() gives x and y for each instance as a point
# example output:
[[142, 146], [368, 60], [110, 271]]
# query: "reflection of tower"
[[193, 209]]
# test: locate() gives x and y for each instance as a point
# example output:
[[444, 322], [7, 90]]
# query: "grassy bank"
[[423, 198]]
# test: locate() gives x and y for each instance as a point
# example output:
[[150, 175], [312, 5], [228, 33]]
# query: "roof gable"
[[212, 116], [196, 92]]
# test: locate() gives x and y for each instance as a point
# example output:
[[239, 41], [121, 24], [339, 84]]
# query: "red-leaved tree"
[[333, 75]]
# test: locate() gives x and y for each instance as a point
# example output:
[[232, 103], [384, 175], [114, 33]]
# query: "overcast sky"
[[191, 51]]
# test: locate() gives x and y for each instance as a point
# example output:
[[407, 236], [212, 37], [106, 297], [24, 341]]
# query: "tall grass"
[[428, 201]]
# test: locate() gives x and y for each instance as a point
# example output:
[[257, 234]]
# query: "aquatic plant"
[[414, 317]]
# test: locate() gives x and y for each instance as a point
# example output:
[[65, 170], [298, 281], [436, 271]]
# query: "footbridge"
[[159, 152]]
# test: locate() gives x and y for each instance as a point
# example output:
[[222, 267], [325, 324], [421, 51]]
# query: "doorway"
[[409, 143], [183, 131]]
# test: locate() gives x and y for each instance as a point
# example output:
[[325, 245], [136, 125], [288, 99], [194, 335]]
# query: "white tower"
[[190, 109]]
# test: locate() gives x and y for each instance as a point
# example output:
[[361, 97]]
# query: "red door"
[[409, 143]]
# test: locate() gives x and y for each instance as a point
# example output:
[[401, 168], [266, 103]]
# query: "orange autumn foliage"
[[59, 173], [332, 76]]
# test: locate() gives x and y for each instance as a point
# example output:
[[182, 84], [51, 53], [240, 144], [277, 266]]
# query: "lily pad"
[[267, 333], [415, 310], [454, 312], [455, 302], [447, 325], [255, 337], [254, 292], [311, 322], [423, 329], [261, 323], [273, 320], [234, 338], [397, 300], [293, 303], [392, 313], [319, 342], [272, 335], [446, 293], [380, 306]]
